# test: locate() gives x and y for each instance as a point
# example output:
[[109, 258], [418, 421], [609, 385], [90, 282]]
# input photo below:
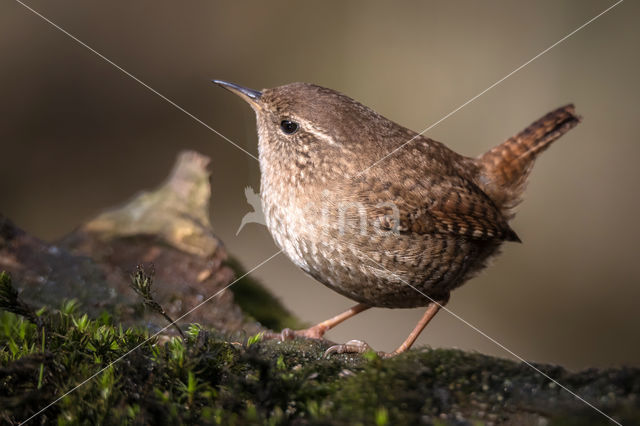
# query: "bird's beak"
[[249, 95]]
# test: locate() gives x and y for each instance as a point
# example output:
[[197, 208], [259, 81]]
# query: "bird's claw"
[[353, 347], [289, 334]]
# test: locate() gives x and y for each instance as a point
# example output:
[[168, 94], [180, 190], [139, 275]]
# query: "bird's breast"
[[287, 222]]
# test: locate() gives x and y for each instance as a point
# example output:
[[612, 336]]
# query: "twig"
[[141, 283], [10, 301]]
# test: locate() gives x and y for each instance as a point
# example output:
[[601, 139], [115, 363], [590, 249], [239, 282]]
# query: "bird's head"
[[310, 124]]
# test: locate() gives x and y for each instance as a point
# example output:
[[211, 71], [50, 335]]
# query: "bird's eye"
[[289, 127]]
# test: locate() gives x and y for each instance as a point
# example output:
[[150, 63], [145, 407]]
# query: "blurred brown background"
[[77, 135]]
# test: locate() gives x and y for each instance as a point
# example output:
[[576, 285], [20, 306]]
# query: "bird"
[[377, 212]]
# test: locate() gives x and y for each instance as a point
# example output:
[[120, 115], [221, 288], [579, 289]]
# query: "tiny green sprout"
[[13, 347], [142, 284], [162, 395], [314, 409], [40, 375], [280, 363], [370, 355], [69, 307], [133, 411], [105, 318], [193, 331], [41, 370], [81, 323], [177, 351], [382, 417], [254, 339], [251, 412], [106, 382], [192, 385]]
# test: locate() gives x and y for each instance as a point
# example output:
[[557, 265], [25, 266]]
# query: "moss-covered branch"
[[222, 372], [210, 378]]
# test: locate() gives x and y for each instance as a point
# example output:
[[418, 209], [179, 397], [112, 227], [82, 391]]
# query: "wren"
[[385, 227]]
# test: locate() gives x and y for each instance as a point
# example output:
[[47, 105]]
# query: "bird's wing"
[[438, 204]]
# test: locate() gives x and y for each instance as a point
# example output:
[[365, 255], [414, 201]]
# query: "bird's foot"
[[355, 347], [315, 332]]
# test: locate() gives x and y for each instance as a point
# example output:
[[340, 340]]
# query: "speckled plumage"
[[425, 215]]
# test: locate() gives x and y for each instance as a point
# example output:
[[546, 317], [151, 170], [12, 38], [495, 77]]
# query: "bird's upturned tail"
[[505, 168]]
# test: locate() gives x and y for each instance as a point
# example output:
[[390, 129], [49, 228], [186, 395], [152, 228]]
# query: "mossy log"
[[222, 372]]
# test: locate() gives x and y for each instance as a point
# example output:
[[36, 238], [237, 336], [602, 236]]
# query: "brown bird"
[[386, 227]]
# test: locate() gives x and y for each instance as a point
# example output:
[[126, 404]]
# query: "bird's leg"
[[318, 330], [358, 346]]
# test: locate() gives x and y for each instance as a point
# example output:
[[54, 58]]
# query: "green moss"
[[212, 378], [258, 302]]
